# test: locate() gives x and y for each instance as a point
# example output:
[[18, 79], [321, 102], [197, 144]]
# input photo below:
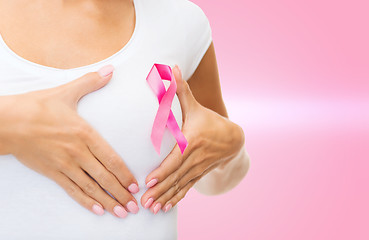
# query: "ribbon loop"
[[164, 116]]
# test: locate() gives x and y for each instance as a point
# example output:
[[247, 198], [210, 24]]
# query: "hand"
[[212, 142], [45, 133]]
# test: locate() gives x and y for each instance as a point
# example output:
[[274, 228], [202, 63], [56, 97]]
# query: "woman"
[[77, 111]]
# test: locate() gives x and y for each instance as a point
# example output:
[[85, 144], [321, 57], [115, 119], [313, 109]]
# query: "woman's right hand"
[[43, 130]]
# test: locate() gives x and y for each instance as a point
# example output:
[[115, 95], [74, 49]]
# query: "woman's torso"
[[33, 206]]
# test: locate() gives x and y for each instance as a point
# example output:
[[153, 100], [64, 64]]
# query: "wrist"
[[238, 145]]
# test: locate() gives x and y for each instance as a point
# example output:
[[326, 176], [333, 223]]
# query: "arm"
[[228, 175]]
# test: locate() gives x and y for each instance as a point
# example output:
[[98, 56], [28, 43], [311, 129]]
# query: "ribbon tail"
[[157, 131], [160, 121], [176, 132]]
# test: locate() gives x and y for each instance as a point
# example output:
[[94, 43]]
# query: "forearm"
[[226, 176]]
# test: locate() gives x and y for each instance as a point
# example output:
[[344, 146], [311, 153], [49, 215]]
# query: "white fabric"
[[35, 207]]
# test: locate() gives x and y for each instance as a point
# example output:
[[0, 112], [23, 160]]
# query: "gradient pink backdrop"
[[295, 76]]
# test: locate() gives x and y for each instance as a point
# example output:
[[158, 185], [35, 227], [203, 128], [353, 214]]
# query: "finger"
[[184, 93], [73, 91], [182, 193], [172, 180], [92, 189], [169, 165], [102, 151], [178, 196], [170, 200], [77, 194], [109, 182], [199, 170], [172, 189]]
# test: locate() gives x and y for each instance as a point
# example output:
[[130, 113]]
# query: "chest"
[[64, 36], [123, 112]]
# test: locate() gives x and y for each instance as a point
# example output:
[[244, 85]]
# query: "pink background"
[[295, 76]]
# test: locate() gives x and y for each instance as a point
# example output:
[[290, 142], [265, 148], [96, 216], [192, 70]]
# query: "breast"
[[123, 112]]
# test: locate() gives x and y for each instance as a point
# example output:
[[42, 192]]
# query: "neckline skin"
[[39, 67]]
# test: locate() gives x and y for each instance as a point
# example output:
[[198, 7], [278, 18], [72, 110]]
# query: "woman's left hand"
[[212, 141]]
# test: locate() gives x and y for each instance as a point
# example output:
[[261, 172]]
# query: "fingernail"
[[106, 70], [152, 183], [120, 211], [157, 208], [168, 207], [98, 209], [133, 188], [132, 207], [149, 202]]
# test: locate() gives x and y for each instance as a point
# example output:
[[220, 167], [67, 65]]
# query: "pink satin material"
[[164, 116]]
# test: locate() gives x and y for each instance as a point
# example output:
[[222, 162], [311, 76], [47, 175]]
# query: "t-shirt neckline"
[[124, 49]]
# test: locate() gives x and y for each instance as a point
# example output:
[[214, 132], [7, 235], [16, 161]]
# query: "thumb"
[[186, 99], [73, 91]]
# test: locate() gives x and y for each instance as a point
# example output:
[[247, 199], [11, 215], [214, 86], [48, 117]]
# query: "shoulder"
[[179, 18], [186, 5], [185, 27], [191, 14], [189, 19]]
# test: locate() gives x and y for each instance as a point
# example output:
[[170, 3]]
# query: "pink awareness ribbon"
[[164, 116]]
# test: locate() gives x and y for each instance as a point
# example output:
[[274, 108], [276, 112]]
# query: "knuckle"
[[176, 181], [201, 141], [71, 190], [182, 194], [90, 188], [82, 130], [198, 142], [175, 178], [176, 187], [197, 159], [64, 165], [111, 162], [71, 150]]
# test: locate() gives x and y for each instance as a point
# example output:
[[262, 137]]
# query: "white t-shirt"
[[33, 206]]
